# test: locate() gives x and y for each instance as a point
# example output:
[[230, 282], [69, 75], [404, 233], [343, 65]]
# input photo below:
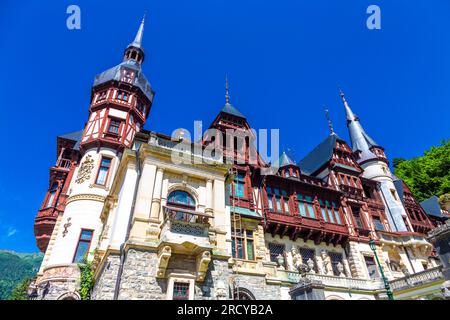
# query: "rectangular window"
[[336, 213], [239, 184], [180, 291], [242, 244], [103, 171], [114, 126], [336, 259], [301, 205], [357, 217], [276, 250], [371, 267], [308, 254], [122, 95], [52, 194], [309, 204], [323, 210], [378, 224], [84, 242]]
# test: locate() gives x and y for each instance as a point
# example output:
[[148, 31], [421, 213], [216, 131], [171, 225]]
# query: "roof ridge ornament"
[[330, 123]]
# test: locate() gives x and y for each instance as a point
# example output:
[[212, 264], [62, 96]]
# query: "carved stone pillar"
[[143, 201], [156, 201], [209, 196]]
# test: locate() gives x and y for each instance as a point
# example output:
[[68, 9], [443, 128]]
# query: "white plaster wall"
[[85, 215]]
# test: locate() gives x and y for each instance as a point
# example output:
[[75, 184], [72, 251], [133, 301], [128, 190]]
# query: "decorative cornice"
[[84, 196]]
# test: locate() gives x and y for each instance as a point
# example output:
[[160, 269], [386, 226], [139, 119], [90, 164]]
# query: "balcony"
[[425, 277], [184, 228], [63, 163], [306, 228], [332, 281]]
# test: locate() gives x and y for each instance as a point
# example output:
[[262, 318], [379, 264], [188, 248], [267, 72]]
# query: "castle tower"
[[120, 103], [371, 157]]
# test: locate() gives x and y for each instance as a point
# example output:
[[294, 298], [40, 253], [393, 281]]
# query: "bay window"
[[305, 206]]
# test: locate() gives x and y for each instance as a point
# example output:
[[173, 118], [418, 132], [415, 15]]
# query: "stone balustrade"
[[332, 281], [417, 279]]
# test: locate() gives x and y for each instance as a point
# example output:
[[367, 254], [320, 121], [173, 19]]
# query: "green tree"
[[427, 175], [20, 291]]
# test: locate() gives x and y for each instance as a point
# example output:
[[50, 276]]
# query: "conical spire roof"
[[360, 140], [228, 107], [285, 160], [139, 36]]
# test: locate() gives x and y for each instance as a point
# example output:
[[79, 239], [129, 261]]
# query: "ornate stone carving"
[[202, 265], [163, 260], [340, 269], [310, 264], [220, 290], [445, 288], [296, 259], [84, 173], [281, 262], [326, 264], [66, 226]]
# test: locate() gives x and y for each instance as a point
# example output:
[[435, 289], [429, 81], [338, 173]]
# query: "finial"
[[341, 94], [227, 94], [330, 123]]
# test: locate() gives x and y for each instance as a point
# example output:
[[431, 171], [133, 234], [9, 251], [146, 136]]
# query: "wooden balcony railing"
[[63, 163]]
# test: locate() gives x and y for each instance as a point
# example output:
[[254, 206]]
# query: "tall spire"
[[227, 93], [139, 35], [330, 123], [359, 138]]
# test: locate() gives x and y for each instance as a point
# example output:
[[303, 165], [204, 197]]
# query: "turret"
[[371, 157]]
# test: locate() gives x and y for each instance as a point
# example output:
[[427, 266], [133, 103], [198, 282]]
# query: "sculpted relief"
[[84, 173]]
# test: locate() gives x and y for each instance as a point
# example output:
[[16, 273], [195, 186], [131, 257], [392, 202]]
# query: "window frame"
[[111, 120], [82, 240], [107, 172], [244, 237]]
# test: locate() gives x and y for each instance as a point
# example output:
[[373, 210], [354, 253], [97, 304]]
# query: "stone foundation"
[[105, 284]]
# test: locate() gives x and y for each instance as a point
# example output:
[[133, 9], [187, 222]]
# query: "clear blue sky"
[[285, 60]]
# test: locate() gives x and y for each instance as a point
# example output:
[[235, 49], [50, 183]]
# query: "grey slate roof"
[[398, 183], [359, 138], [230, 109], [432, 207], [319, 155], [114, 73], [74, 136]]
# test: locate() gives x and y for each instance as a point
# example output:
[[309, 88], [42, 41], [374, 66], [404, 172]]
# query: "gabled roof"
[[432, 207], [319, 155], [230, 109], [74, 136]]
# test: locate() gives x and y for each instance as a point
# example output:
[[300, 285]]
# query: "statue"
[[340, 269], [280, 261], [296, 259], [310, 264], [325, 262]]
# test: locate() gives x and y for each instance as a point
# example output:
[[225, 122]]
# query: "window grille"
[[336, 258], [275, 250], [308, 254]]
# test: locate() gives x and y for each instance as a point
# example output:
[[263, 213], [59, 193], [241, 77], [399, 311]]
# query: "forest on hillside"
[[15, 268], [427, 175]]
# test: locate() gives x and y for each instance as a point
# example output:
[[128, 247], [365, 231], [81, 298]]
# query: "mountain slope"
[[14, 267]]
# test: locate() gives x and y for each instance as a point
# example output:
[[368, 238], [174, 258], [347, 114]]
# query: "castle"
[[336, 225]]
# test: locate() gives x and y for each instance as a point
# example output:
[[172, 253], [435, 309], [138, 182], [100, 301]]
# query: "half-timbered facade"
[[227, 224]]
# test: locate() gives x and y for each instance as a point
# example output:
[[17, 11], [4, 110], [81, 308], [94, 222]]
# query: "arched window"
[[243, 294], [179, 197]]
